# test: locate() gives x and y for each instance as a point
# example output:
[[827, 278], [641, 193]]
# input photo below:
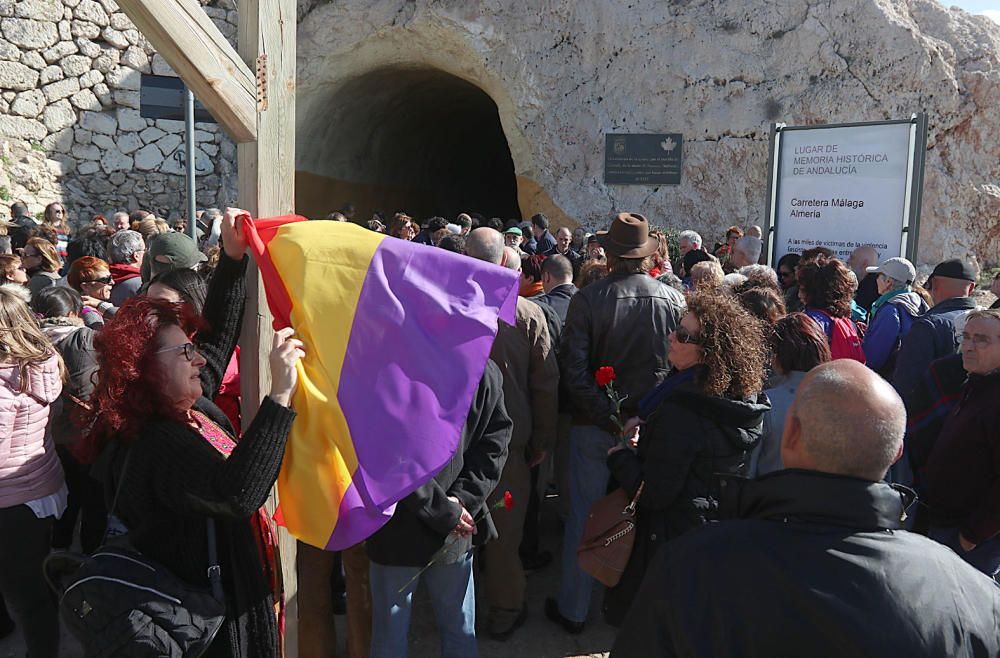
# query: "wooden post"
[[266, 42]]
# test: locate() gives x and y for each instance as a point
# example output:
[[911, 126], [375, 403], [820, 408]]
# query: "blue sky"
[[989, 7]]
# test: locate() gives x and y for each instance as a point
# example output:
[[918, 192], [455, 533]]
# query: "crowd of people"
[[816, 438]]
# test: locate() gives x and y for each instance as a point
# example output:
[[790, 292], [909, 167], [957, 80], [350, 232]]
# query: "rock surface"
[[718, 72], [561, 77]]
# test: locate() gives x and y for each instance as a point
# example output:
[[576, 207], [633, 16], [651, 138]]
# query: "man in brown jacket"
[[525, 355]]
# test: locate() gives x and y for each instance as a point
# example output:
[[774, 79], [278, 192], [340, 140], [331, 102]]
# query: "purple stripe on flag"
[[424, 325], [361, 520]]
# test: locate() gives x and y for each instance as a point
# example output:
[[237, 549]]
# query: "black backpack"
[[118, 602]]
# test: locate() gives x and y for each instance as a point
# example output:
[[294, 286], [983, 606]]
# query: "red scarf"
[[122, 272], [531, 289]]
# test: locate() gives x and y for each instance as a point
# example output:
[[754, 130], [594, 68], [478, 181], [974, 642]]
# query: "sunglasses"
[[105, 280], [685, 336], [188, 349]]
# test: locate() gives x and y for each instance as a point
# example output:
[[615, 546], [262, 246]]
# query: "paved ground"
[[538, 638]]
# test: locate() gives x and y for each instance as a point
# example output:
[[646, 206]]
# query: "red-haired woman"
[[91, 277], [172, 451]]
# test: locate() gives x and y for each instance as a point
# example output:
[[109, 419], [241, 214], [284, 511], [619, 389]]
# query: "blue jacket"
[[931, 337], [888, 327]]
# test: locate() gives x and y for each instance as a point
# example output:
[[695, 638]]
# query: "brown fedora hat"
[[628, 237]]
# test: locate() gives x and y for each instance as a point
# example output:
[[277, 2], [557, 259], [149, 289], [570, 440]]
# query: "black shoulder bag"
[[118, 602]]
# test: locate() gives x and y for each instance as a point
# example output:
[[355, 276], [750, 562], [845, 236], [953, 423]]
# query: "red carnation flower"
[[508, 501], [605, 375]]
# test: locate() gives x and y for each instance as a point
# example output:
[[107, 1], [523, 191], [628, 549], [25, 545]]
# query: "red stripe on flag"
[[259, 234]]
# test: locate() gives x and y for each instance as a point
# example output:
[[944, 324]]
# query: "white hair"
[[123, 245], [691, 237], [758, 271], [732, 280]]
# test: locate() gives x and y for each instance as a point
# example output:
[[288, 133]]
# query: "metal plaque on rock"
[[642, 159]]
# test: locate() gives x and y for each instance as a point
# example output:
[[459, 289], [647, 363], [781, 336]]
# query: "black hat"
[[954, 269]]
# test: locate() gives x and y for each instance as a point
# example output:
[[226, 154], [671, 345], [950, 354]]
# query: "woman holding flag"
[[172, 450]]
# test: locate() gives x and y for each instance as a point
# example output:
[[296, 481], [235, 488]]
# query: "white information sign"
[[842, 188]]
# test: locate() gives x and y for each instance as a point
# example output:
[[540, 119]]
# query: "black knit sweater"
[[175, 480]]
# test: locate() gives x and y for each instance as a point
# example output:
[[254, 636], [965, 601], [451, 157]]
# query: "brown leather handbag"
[[608, 536]]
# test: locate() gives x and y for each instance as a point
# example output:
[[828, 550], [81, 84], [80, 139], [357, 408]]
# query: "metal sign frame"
[[912, 202]]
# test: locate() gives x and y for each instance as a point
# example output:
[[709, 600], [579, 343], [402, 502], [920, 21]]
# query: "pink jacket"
[[29, 466]]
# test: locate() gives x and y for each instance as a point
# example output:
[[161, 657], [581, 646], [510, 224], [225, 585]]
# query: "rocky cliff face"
[[70, 128], [563, 73]]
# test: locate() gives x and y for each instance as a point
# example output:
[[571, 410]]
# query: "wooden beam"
[[184, 35], [266, 172]]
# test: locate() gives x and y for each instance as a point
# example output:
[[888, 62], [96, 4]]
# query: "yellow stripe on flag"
[[331, 260]]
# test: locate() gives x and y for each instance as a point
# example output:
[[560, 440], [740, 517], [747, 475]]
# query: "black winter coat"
[[686, 445], [815, 566], [558, 298]]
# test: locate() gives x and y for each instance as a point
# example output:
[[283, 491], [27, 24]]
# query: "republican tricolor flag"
[[397, 336]]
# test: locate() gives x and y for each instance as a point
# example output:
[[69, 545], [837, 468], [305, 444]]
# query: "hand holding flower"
[[465, 528]]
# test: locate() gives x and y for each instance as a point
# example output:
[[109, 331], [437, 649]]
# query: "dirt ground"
[[538, 638]]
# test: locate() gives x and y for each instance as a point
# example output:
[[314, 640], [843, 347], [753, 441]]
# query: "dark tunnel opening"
[[418, 140]]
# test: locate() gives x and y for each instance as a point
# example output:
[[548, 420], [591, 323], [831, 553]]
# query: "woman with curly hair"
[[172, 454], [826, 290], [763, 303], [700, 423]]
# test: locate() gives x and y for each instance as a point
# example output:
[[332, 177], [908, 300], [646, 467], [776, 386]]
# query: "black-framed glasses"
[[188, 349], [105, 280], [685, 336]]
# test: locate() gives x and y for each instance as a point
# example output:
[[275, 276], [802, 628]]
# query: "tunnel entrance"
[[418, 140]]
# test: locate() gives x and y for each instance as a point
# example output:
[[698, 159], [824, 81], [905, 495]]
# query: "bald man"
[[813, 561]]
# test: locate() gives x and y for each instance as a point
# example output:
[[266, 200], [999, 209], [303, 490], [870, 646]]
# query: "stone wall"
[[563, 73], [70, 128]]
